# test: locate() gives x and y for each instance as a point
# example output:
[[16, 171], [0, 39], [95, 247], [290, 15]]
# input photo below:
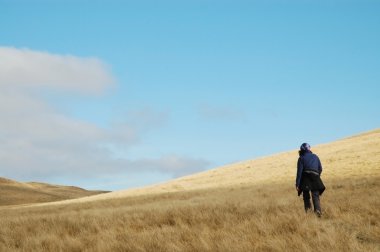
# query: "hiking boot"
[[318, 213]]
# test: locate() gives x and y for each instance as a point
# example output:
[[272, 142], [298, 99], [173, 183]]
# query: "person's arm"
[[299, 172]]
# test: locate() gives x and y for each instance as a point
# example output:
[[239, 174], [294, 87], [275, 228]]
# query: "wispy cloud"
[[38, 141], [172, 164], [220, 113]]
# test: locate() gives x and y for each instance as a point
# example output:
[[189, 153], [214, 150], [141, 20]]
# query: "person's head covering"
[[305, 147]]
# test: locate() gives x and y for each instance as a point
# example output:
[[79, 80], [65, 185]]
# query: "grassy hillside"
[[353, 157], [14, 193], [249, 206]]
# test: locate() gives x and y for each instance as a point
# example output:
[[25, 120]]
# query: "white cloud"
[[28, 68], [38, 142]]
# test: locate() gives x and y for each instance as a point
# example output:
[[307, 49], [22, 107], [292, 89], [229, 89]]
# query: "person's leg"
[[316, 203], [306, 200]]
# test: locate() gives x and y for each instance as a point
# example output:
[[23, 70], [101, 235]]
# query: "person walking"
[[309, 169]]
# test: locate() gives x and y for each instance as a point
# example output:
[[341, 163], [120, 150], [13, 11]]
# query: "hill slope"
[[14, 193], [357, 156]]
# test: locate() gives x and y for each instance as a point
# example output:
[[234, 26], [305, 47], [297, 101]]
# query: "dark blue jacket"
[[307, 162]]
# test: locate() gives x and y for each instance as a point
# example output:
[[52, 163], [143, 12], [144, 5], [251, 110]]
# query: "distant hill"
[[15, 193]]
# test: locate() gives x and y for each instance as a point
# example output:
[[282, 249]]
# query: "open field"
[[244, 218], [250, 206]]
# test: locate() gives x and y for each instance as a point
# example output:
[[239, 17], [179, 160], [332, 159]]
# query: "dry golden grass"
[[235, 208], [245, 218], [15, 193]]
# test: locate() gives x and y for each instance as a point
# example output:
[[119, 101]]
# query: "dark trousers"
[[315, 197]]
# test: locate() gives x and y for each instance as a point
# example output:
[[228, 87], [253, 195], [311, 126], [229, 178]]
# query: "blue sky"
[[145, 91]]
